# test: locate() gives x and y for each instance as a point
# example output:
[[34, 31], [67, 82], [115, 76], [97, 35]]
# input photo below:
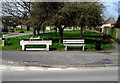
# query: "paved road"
[[16, 34], [62, 58], [19, 34], [89, 74]]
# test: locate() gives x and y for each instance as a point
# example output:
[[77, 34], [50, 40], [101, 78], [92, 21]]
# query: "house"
[[110, 23], [106, 25], [47, 28], [21, 27]]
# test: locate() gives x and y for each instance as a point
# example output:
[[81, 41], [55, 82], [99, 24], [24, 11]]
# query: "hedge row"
[[113, 32]]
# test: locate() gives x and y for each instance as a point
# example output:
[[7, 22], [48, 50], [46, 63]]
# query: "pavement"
[[62, 58]]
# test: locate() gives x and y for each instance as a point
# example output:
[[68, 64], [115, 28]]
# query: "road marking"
[[17, 68], [20, 69], [11, 62], [70, 68], [36, 69], [3, 67], [55, 69]]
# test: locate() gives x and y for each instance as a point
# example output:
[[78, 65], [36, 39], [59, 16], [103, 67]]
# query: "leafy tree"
[[60, 22], [80, 14], [89, 14], [63, 19], [42, 13], [63, 15]]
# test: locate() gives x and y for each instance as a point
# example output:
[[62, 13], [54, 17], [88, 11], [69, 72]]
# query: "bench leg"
[[23, 47], [65, 48], [83, 48], [47, 47]]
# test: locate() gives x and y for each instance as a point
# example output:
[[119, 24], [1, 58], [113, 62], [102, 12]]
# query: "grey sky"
[[111, 10]]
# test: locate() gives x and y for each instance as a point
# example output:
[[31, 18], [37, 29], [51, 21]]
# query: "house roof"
[[111, 21]]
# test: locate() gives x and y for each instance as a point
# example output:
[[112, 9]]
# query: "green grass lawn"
[[89, 36]]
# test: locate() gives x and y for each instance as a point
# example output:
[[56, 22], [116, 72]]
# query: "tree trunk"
[[81, 31], [55, 30], [14, 26], [61, 35], [34, 31], [43, 30], [28, 28], [38, 30]]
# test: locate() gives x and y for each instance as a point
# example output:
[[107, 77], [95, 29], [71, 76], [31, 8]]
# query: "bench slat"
[[35, 42], [73, 42]]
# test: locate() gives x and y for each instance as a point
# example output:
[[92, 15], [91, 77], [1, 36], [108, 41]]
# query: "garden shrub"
[[21, 32]]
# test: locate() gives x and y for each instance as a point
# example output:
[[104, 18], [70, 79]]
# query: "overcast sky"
[[111, 10]]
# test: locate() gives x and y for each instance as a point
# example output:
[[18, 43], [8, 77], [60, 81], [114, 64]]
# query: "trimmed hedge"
[[113, 32]]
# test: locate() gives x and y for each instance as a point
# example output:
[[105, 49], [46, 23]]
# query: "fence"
[[113, 32]]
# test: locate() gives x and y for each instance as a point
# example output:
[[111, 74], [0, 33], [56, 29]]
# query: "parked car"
[[4, 30]]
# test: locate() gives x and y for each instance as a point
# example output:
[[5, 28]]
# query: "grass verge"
[[89, 36]]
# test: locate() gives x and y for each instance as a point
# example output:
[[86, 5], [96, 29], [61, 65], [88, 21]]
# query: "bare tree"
[[18, 9]]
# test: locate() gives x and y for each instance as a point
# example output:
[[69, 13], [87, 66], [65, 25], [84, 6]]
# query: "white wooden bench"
[[36, 42], [74, 42]]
